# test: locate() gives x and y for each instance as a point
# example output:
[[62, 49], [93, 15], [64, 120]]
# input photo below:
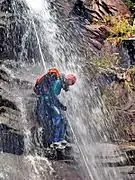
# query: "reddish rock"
[[105, 7]]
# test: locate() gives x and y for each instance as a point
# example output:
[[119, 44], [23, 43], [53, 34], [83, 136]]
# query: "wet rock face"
[[11, 107], [13, 26], [121, 99], [128, 46], [11, 141], [83, 13], [115, 7], [11, 138]]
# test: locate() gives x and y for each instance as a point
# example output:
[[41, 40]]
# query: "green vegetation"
[[101, 61], [132, 69], [107, 60], [130, 3], [120, 28]]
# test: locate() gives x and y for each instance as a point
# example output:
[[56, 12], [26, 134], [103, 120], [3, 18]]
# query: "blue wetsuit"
[[48, 108]]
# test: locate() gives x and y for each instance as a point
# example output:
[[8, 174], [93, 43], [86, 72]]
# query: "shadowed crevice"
[[7, 103], [10, 140]]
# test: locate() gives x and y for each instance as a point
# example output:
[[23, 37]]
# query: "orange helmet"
[[54, 70], [51, 70]]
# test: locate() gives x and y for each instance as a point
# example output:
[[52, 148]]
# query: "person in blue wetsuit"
[[48, 109]]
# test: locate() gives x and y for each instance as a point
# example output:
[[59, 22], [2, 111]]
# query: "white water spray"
[[39, 9], [82, 115], [40, 50], [37, 6]]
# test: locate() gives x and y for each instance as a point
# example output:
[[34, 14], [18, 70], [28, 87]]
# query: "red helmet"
[[71, 77]]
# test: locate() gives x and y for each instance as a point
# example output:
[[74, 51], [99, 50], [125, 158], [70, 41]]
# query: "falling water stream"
[[85, 109], [86, 112]]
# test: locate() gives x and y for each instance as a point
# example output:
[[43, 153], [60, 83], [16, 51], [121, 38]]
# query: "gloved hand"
[[64, 108]]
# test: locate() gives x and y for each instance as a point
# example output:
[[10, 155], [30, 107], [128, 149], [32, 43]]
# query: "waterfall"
[[58, 46], [86, 110]]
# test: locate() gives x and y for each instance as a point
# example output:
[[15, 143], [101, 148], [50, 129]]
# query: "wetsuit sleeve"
[[57, 87], [56, 90]]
